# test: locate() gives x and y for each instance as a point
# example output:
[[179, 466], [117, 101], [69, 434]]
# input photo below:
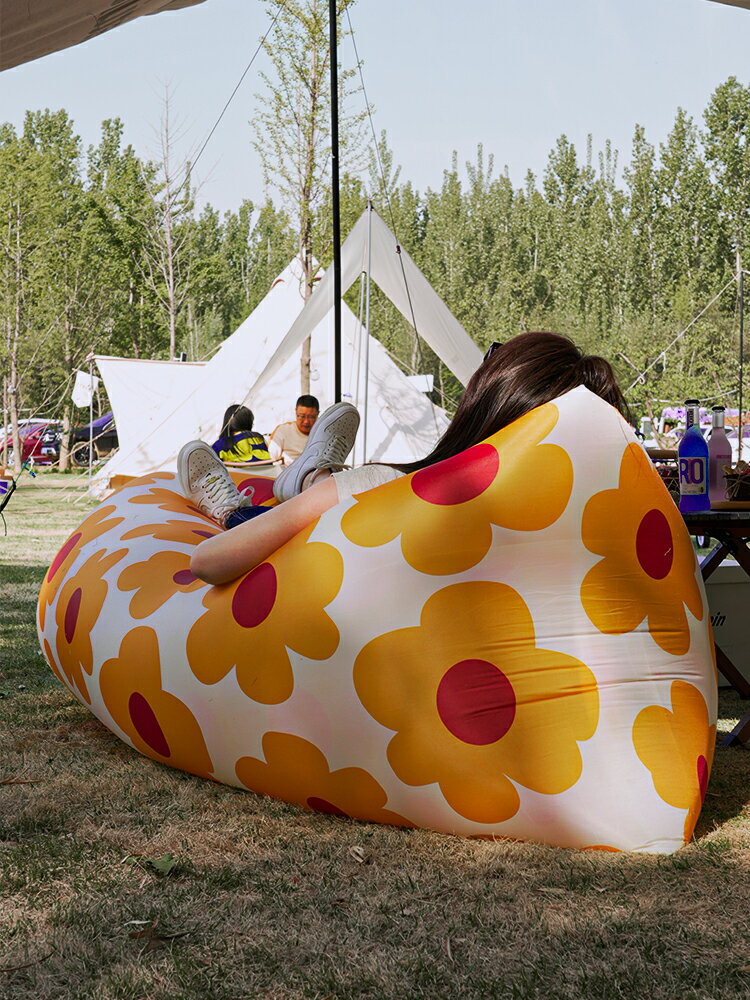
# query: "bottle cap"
[[692, 402], [717, 408]]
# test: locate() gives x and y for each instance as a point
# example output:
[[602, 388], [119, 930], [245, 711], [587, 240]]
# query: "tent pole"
[[91, 417], [4, 460], [333, 26], [359, 346], [742, 349], [367, 332]]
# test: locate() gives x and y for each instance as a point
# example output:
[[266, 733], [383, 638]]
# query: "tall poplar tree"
[[21, 242], [293, 136], [727, 146]]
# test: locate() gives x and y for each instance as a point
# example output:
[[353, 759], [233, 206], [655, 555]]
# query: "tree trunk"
[[64, 456], [13, 408], [304, 363], [64, 460], [15, 340]]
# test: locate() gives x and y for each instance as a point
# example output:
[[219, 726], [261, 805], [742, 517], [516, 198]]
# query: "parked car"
[[104, 440], [32, 433], [104, 434]]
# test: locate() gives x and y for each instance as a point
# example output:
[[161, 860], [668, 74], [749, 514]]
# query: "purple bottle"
[[719, 455], [692, 462]]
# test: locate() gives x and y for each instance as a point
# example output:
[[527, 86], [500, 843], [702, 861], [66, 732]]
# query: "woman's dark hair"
[[519, 375], [236, 418]]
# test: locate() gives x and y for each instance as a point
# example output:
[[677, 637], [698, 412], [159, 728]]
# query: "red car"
[[31, 441]]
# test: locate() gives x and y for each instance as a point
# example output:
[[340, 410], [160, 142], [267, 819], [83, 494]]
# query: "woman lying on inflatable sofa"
[[514, 378]]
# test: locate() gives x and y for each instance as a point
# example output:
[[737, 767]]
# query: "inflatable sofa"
[[511, 643]]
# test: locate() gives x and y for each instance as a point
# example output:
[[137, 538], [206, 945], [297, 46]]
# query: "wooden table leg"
[[732, 674], [741, 553], [714, 559], [740, 734]]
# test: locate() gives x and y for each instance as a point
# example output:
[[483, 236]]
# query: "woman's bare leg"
[[308, 491], [232, 553]]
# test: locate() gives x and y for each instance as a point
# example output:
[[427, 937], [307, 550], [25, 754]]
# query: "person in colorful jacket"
[[238, 442]]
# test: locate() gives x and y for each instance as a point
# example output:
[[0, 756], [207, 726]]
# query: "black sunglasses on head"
[[493, 347]]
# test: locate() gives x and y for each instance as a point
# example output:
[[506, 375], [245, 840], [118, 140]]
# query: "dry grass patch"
[[123, 879]]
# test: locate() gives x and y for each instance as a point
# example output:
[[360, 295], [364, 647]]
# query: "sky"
[[510, 74]]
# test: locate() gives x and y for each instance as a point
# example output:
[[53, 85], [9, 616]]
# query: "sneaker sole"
[[289, 481]]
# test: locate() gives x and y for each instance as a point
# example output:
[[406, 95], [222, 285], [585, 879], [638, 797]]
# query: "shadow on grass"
[[728, 792], [22, 665]]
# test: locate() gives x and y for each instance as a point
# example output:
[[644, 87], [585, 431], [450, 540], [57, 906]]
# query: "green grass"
[[268, 901]]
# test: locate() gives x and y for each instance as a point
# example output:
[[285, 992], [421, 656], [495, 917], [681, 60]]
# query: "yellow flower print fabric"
[[647, 569], [681, 763], [475, 705], [95, 525], [445, 513], [251, 623], [295, 770], [80, 604], [157, 723], [512, 643]]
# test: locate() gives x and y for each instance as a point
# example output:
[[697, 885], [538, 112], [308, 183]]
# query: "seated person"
[[238, 442], [288, 440]]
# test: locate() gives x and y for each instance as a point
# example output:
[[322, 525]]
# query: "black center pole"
[[333, 29]]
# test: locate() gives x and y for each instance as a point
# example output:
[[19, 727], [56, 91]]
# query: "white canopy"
[[30, 29]]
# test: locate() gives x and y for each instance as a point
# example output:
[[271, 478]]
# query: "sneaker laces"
[[220, 497], [246, 497], [336, 450]]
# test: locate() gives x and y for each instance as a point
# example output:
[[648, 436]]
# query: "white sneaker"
[[328, 446], [204, 480]]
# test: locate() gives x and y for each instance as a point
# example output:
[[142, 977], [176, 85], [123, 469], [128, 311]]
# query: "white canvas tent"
[[371, 247], [159, 405]]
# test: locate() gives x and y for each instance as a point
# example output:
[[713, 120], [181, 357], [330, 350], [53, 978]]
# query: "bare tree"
[[293, 136], [166, 259]]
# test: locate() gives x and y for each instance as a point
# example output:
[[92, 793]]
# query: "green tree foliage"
[[21, 245], [727, 145], [626, 257], [119, 185]]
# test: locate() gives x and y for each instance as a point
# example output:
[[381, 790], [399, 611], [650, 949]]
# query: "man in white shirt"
[[287, 441]]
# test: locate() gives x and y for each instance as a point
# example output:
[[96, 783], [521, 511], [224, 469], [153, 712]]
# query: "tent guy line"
[[231, 97]]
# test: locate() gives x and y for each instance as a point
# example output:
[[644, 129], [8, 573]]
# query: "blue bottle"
[[692, 462]]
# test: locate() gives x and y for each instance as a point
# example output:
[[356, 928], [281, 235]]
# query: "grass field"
[[123, 879]]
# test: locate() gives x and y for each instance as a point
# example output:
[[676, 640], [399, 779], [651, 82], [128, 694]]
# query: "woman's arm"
[[231, 553]]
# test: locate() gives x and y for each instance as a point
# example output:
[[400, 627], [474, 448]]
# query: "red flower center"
[[702, 769], [476, 702], [183, 578], [63, 554], [71, 614], [255, 596], [457, 479], [654, 546], [262, 488], [147, 725]]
